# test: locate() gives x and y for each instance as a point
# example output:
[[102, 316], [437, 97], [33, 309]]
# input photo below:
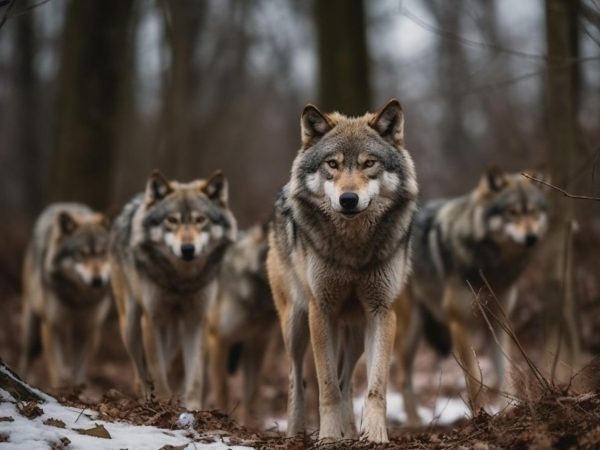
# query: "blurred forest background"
[[96, 94]]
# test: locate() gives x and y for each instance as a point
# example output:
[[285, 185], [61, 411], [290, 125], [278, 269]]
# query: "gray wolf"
[[166, 250], [242, 320], [338, 260], [66, 292], [491, 230]]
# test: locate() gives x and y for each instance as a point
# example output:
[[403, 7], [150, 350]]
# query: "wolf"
[[338, 259], [66, 292], [241, 322], [166, 249], [460, 244]]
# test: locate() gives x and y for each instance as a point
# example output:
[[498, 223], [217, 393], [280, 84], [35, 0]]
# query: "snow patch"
[[24, 433]]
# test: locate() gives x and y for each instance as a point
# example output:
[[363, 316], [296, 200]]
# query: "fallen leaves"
[[98, 431], [54, 423]]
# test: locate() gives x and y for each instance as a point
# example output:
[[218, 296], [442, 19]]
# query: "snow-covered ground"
[[24, 433], [32, 434]]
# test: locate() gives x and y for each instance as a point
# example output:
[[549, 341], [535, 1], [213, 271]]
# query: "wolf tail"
[[437, 333]]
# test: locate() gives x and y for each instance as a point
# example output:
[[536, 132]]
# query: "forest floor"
[[548, 418]]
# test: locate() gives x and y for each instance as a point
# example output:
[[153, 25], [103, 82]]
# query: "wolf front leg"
[[379, 342], [294, 324], [351, 347], [55, 341], [155, 336], [194, 361], [324, 335]]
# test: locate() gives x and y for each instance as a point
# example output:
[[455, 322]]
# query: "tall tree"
[[183, 21], [91, 88], [26, 114], [561, 337], [344, 82]]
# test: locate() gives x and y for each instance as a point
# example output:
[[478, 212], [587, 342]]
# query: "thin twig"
[[7, 12], [562, 191]]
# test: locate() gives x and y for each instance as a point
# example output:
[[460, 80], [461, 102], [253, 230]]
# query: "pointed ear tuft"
[[157, 188], [66, 223], [493, 180], [389, 123], [314, 125], [216, 188]]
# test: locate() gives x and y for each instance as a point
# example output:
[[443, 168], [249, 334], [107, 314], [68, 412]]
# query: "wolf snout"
[[349, 201], [188, 252], [531, 240], [97, 281]]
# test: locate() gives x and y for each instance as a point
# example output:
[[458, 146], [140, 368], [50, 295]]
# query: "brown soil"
[[555, 418]]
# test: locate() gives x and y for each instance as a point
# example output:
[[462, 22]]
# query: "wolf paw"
[[331, 427], [374, 430], [193, 404]]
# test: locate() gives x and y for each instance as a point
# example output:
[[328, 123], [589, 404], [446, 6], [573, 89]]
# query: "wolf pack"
[[350, 263]]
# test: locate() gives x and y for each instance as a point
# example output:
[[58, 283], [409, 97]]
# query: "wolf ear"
[[389, 123], [66, 223], [157, 187], [314, 125], [493, 180], [216, 188]]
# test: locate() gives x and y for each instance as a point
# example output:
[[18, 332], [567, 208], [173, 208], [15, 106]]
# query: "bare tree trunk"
[[562, 346], [91, 88], [26, 113], [183, 20], [344, 82]]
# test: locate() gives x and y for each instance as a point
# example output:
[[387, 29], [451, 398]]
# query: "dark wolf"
[[338, 260], [242, 321], [166, 251]]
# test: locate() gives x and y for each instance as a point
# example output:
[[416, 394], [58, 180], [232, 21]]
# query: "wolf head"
[[514, 208], [353, 166], [187, 220], [80, 249]]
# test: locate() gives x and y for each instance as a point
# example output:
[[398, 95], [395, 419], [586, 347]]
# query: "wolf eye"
[[172, 220], [199, 219], [332, 163], [369, 163]]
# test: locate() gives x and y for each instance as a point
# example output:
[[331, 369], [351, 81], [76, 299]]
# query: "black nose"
[[187, 252], [530, 240], [97, 282], [349, 200]]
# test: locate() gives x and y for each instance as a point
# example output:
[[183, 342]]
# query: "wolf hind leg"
[[252, 360], [350, 349], [408, 351]]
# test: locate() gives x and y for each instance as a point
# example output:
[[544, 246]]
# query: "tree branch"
[[562, 191]]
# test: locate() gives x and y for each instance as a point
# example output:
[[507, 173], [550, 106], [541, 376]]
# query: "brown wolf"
[[66, 292], [491, 230], [338, 260]]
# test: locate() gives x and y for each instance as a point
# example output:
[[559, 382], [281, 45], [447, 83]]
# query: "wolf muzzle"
[[188, 252], [348, 201]]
